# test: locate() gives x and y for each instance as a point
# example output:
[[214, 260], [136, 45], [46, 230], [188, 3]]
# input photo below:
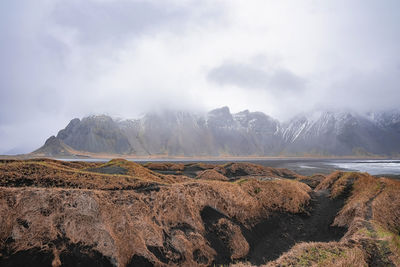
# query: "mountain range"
[[221, 133]]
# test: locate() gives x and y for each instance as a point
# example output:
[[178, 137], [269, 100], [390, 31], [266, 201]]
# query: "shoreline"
[[307, 166], [195, 158]]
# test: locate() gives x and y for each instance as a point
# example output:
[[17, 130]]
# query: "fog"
[[62, 59]]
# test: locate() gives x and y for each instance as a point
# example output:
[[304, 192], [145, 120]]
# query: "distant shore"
[[382, 166], [192, 158]]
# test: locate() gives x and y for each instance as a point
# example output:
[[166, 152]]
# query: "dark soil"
[[190, 170], [147, 188], [138, 260], [269, 239], [79, 255], [234, 173], [276, 235], [32, 257], [73, 255], [167, 253], [215, 236]]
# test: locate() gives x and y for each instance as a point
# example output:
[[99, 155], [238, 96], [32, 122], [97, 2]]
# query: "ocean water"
[[374, 167]]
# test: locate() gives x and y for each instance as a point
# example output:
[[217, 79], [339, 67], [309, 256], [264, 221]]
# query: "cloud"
[[373, 90], [247, 76], [66, 59], [62, 59], [116, 21]]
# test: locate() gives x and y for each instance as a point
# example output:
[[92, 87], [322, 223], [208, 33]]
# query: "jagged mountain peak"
[[219, 132], [220, 111]]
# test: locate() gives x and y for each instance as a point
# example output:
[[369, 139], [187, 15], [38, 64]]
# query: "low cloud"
[[364, 91], [247, 76]]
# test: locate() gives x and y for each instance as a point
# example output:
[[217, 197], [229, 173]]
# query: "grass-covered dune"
[[122, 213]]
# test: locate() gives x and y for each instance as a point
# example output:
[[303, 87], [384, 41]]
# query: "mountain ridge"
[[222, 133]]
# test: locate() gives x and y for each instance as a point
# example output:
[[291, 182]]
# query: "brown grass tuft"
[[211, 175], [162, 166], [43, 207], [49, 205], [321, 254], [386, 206]]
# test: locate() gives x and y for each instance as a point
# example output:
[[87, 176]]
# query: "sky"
[[61, 59]]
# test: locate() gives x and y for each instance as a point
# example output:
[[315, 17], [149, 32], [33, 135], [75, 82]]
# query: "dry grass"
[[202, 165], [47, 204], [386, 206], [392, 240], [80, 165], [321, 254], [364, 189], [123, 223], [372, 215], [162, 166], [234, 237], [250, 169], [337, 182], [318, 254], [313, 181], [211, 175], [136, 170], [50, 173], [371, 199]]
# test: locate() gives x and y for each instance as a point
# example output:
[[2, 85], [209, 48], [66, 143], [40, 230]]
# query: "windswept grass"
[[372, 215], [49, 173], [49, 205], [211, 175], [165, 166], [321, 254], [141, 214]]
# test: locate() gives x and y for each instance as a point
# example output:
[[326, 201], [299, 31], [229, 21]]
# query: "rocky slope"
[[54, 147], [220, 133]]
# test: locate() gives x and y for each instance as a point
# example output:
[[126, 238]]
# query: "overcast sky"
[[61, 59]]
